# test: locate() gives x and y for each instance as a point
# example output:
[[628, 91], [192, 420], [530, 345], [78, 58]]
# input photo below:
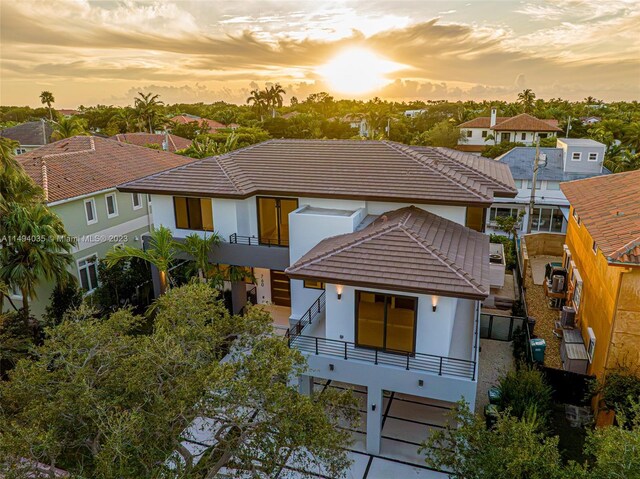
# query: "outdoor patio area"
[[407, 421]]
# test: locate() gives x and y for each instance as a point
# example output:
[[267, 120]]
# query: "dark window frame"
[[278, 218], [384, 348], [190, 228], [304, 284]]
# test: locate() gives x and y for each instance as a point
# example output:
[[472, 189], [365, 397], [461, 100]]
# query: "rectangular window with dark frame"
[[313, 284], [273, 219], [386, 321], [193, 213]]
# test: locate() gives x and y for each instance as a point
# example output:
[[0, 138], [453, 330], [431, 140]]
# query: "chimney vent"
[[494, 116]]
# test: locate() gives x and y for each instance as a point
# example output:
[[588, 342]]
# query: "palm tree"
[[147, 109], [527, 99], [46, 97], [631, 137], [24, 262], [624, 160], [68, 128], [260, 102], [161, 254], [205, 146], [274, 94], [198, 248], [126, 115]]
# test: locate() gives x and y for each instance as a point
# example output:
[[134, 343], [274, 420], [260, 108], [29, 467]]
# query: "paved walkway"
[[496, 358]]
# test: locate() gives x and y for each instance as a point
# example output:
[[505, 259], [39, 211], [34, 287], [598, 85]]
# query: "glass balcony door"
[[386, 322], [273, 220]]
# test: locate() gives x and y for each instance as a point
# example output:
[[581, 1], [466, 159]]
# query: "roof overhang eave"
[[390, 287]]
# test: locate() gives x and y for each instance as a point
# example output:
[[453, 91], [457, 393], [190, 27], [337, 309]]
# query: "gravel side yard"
[[537, 306]]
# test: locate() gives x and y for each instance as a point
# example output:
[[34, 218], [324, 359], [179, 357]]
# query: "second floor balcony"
[[445, 377]]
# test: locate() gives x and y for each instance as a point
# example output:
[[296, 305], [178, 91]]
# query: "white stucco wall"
[[433, 329]]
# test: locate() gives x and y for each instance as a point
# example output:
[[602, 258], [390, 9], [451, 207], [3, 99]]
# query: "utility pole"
[[532, 200]]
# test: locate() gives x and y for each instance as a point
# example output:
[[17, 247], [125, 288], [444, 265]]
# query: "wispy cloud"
[[214, 50]]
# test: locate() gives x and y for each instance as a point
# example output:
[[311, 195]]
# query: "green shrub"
[[525, 394], [621, 391]]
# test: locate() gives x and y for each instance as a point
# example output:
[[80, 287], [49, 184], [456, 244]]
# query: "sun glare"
[[356, 71]]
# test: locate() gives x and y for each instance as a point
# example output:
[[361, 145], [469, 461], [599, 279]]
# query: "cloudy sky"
[[89, 52]]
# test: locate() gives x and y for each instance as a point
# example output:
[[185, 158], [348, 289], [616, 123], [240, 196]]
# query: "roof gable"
[[32, 133], [85, 164], [408, 249], [526, 122]]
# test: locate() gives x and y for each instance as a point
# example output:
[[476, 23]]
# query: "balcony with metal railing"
[[308, 336]]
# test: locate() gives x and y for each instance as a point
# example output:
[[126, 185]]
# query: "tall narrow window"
[[193, 213], [273, 220], [112, 205], [136, 199], [88, 273], [385, 321], [90, 211]]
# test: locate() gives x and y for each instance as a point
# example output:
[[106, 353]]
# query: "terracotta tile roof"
[[482, 122], [86, 164], [32, 133], [184, 119], [609, 207], [521, 122], [338, 169], [143, 139], [408, 249]]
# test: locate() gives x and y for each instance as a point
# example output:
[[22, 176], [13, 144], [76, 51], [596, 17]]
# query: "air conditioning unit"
[[568, 317], [557, 284]]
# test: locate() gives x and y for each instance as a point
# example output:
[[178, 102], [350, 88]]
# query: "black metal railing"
[[307, 318], [440, 365], [254, 241]]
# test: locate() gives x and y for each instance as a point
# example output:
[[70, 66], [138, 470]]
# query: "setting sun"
[[357, 70]]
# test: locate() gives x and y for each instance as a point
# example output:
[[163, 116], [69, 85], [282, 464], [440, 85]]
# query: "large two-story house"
[[372, 249], [572, 159], [79, 176], [522, 128], [602, 258]]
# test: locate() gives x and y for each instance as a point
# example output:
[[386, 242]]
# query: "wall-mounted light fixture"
[[434, 303], [331, 367], [420, 382], [339, 290], [373, 407]]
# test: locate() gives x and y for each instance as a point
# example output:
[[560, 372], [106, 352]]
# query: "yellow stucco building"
[[602, 257]]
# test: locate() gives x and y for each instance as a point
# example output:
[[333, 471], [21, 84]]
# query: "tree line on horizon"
[[320, 115]]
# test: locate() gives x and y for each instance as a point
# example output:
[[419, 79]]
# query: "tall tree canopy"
[[103, 400]]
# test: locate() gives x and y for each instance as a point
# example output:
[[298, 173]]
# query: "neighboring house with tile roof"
[[165, 141], [364, 249], [29, 135], [79, 176], [572, 159], [522, 128], [602, 256], [184, 119]]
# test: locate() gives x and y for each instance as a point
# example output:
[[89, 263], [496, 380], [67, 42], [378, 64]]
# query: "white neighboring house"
[[522, 128], [362, 247], [414, 113], [572, 159]]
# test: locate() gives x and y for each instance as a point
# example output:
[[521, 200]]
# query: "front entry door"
[[505, 137], [280, 288]]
